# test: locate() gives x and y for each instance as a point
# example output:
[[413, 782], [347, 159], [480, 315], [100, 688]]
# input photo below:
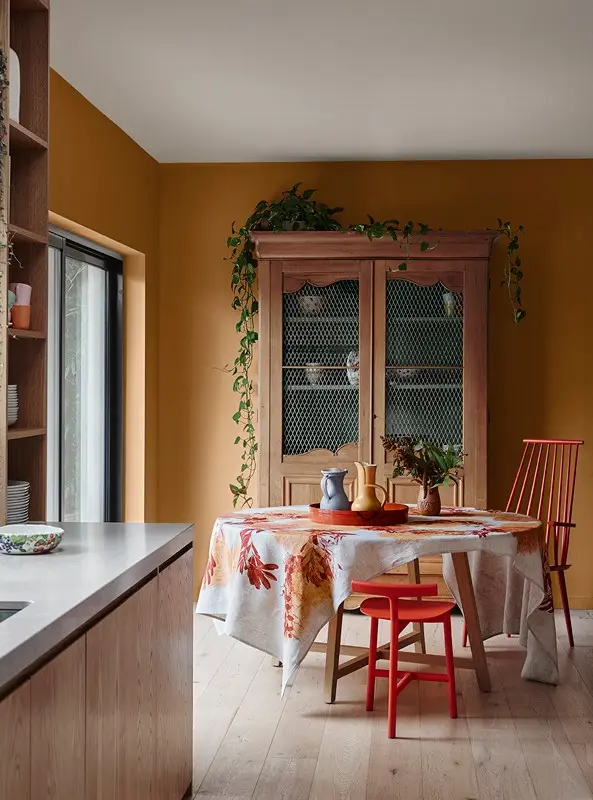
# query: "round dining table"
[[275, 578]]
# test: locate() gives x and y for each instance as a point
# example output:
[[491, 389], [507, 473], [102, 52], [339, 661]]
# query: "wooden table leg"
[[332, 658], [472, 621], [414, 577]]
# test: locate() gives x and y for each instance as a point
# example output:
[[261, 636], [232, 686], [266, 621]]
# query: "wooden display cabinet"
[[330, 300], [24, 27]]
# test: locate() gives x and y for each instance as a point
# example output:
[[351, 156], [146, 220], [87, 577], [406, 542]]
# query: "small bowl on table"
[[28, 540]]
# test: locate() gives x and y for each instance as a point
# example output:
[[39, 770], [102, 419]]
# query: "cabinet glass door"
[[320, 376], [424, 362]]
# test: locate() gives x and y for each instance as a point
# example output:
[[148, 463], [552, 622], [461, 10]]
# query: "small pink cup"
[[22, 292]]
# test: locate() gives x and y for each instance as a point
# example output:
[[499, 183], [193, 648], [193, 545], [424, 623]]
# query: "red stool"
[[389, 605]]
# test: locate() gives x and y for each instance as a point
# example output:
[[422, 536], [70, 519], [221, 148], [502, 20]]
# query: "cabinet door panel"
[[58, 726], [15, 744], [430, 365], [121, 701], [320, 373], [174, 678]]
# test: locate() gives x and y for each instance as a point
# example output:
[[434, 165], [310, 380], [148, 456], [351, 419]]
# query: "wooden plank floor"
[[523, 741]]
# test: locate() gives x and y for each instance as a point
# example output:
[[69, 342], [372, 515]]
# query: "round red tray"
[[390, 514]]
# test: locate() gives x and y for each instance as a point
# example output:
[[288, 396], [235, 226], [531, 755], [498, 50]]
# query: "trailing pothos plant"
[[296, 210]]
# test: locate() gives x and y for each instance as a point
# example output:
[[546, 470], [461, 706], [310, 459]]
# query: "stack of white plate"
[[12, 405], [17, 503]]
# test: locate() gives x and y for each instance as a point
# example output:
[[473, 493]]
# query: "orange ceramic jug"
[[367, 500]]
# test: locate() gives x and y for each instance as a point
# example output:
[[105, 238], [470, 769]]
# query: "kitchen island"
[[96, 668]]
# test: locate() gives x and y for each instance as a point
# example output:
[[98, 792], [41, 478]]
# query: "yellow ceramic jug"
[[366, 499]]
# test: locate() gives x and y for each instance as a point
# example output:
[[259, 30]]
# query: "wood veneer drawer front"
[[174, 685], [121, 701], [58, 726], [15, 744]]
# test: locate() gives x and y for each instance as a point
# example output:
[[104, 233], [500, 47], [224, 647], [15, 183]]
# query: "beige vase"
[[429, 505]]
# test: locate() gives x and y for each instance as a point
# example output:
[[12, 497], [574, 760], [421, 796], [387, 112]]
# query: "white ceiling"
[[296, 80]]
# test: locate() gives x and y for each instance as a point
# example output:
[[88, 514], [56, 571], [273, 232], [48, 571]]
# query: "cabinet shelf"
[[16, 333], [425, 386], [22, 138], [29, 5], [338, 320], [342, 387], [443, 318], [24, 433], [25, 236]]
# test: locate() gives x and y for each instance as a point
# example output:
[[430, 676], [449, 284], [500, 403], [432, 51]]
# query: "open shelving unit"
[[24, 27]]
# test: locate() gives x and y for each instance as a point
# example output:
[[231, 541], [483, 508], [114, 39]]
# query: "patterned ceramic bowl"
[[314, 373], [311, 304], [26, 540], [352, 371]]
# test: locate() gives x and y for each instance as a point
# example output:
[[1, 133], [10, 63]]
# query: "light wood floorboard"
[[523, 741]]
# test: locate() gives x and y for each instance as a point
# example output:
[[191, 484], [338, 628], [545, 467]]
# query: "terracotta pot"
[[21, 317], [429, 505]]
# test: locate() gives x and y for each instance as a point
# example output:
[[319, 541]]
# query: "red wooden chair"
[[544, 488], [389, 605]]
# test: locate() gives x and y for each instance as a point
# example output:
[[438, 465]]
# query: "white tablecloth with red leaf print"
[[274, 578]]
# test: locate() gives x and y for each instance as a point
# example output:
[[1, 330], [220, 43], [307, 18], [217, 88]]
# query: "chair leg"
[[464, 635], [372, 664], [450, 666], [393, 653], [566, 607]]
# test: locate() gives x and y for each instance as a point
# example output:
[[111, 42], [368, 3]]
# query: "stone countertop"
[[94, 565]]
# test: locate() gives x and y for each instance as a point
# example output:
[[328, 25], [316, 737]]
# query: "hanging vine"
[[292, 211]]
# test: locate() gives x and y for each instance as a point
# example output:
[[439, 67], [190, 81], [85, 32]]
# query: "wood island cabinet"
[[110, 717], [352, 348]]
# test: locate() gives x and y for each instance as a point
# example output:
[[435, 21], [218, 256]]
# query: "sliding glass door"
[[85, 383]]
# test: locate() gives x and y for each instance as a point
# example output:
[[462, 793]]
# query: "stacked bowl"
[[12, 405], [17, 503]]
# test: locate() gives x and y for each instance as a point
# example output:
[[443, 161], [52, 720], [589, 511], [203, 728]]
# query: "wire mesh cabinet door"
[[320, 375], [430, 379], [430, 366]]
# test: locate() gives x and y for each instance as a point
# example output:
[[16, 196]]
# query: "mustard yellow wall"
[[102, 180], [541, 374]]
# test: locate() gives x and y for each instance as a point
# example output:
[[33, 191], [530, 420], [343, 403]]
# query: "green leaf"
[[237, 440], [237, 417], [424, 246], [402, 267]]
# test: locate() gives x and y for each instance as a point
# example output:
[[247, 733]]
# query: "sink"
[[9, 609]]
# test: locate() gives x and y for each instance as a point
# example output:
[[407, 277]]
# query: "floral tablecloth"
[[274, 578]]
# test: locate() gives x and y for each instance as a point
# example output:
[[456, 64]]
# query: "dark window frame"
[[114, 368]]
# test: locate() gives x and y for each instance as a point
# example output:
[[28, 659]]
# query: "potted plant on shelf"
[[427, 464]]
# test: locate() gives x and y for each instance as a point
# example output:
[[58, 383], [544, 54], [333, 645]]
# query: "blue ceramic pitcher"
[[332, 485]]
